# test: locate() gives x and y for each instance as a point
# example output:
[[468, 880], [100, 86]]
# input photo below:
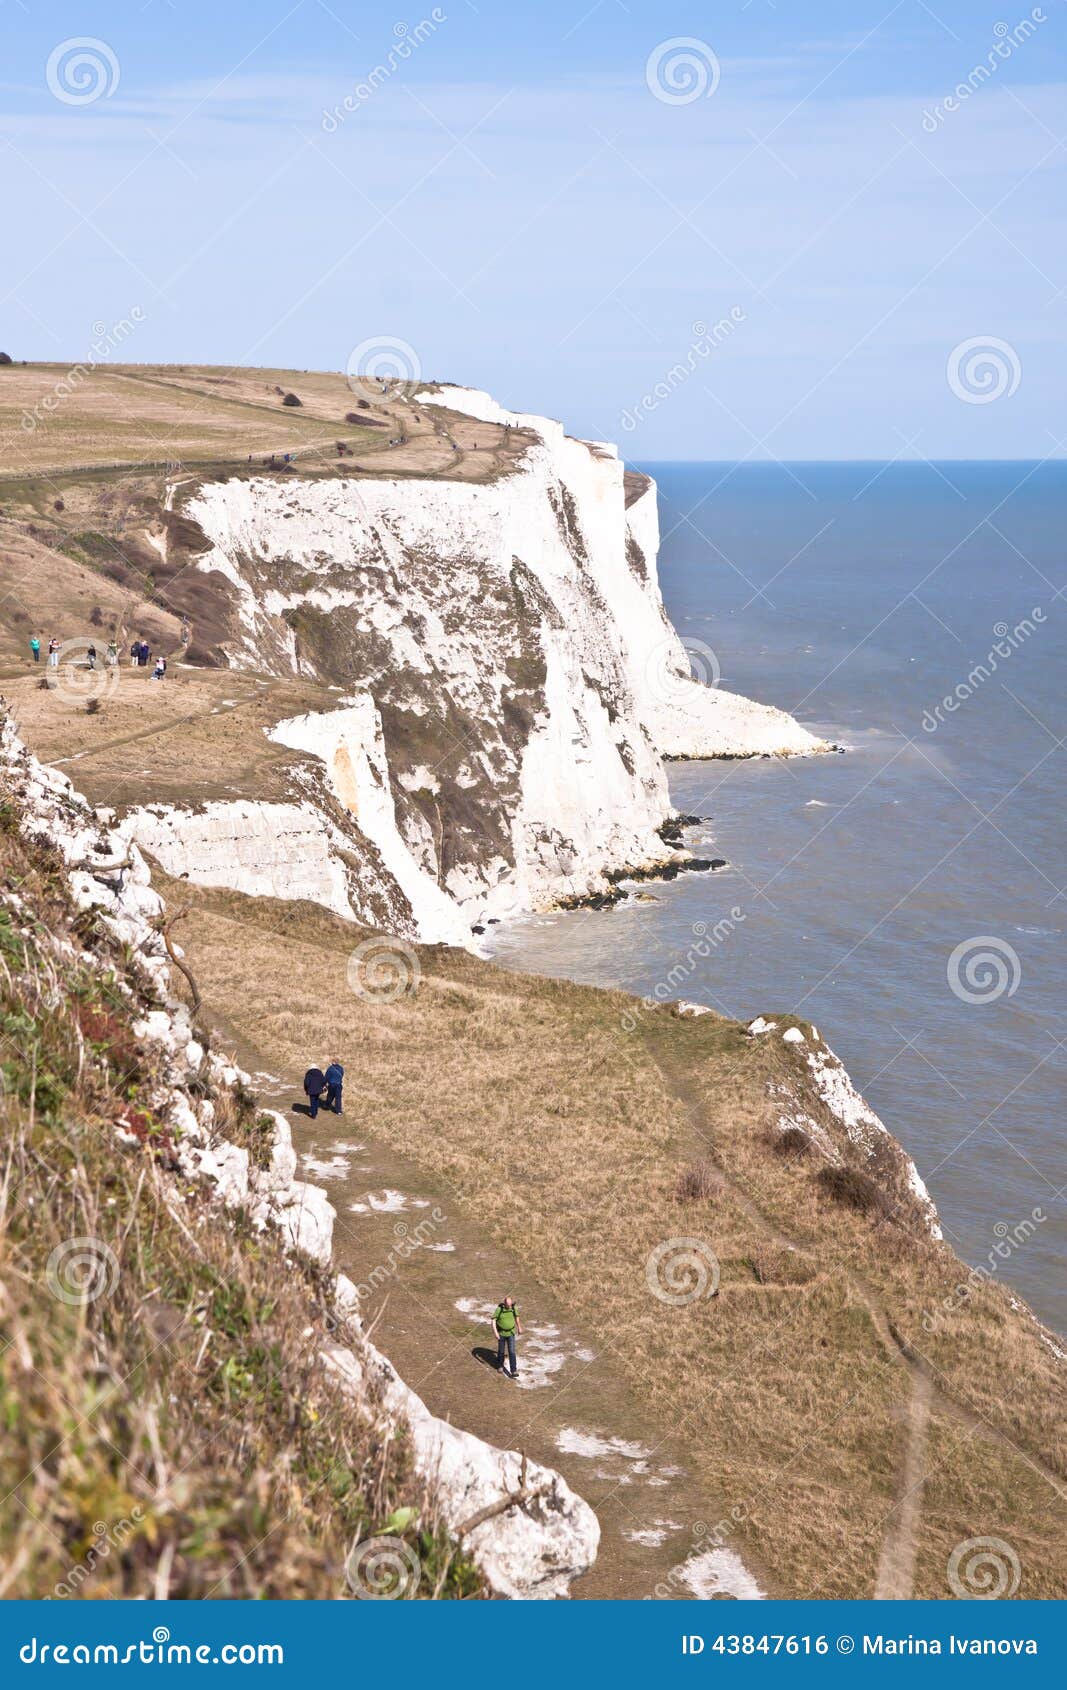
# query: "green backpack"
[[506, 1319]]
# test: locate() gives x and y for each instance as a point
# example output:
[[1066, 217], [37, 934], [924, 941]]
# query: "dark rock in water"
[[492, 921], [478, 929], [595, 900], [635, 876], [670, 831]]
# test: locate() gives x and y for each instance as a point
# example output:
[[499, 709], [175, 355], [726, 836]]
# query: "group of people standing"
[[140, 655]]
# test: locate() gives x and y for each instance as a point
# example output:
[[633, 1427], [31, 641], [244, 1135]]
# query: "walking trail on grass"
[[430, 1281]]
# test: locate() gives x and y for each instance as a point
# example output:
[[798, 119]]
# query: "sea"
[[907, 896]]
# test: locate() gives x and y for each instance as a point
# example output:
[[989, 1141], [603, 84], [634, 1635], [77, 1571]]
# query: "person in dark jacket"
[[334, 1077], [314, 1086]]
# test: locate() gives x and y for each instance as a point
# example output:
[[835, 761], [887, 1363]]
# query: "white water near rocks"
[[857, 877]]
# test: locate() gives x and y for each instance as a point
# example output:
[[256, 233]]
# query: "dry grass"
[[699, 1183], [145, 416], [88, 493], [789, 1390], [175, 1433], [198, 736]]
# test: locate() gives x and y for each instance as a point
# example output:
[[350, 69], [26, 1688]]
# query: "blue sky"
[[560, 203]]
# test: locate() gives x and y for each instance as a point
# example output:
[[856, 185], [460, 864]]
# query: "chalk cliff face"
[[508, 682]]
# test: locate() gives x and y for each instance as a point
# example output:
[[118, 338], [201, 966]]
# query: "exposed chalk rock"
[[510, 684], [266, 850], [529, 1551]]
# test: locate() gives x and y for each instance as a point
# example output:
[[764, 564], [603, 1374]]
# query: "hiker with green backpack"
[[506, 1324]]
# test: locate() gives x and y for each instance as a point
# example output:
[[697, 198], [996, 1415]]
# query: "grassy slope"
[[566, 1136], [176, 1435], [83, 490]]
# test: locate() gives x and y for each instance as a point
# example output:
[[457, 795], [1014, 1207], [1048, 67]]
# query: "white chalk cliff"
[[509, 685]]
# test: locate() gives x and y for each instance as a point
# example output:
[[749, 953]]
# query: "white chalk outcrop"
[[534, 1550], [510, 683], [530, 1552], [266, 850], [831, 1085]]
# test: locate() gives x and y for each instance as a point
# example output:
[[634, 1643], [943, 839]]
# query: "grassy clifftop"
[[57, 419], [95, 460]]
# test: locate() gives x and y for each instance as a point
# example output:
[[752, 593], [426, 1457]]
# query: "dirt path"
[[896, 1565], [262, 690], [429, 1279]]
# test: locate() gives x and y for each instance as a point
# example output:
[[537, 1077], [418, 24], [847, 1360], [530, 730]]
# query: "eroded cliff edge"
[[505, 682]]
